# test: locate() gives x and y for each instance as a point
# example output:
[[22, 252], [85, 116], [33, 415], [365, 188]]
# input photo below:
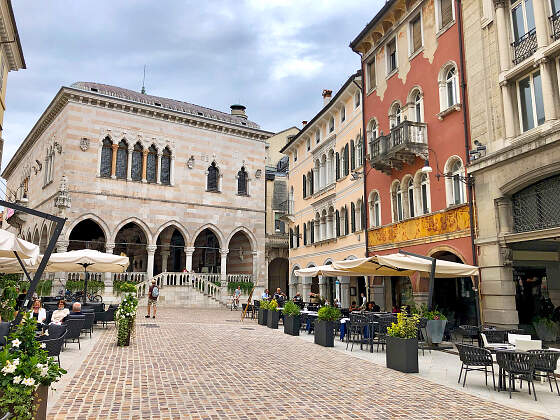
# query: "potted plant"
[[273, 315], [126, 315], [435, 327], [292, 319], [324, 326], [27, 371], [546, 328], [263, 312], [402, 344]]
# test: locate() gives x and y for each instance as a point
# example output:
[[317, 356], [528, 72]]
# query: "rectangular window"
[[530, 101], [445, 12], [555, 6], [372, 83], [317, 136], [399, 207], [425, 199], [308, 145], [295, 156], [415, 34], [279, 225], [522, 18], [391, 55], [376, 213]]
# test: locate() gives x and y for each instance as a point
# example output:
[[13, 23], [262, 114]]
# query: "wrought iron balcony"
[[525, 46], [403, 144], [555, 24]]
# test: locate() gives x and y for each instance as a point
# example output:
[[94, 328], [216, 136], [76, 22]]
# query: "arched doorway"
[[170, 252], [278, 275], [131, 240], [87, 235], [44, 239], [455, 297], [240, 255], [401, 292], [206, 255], [36, 237]]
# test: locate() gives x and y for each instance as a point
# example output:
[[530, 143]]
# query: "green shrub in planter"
[[546, 329], [126, 315], [402, 344], [273, 315], [324, 326], [292, 318], [263, 312]]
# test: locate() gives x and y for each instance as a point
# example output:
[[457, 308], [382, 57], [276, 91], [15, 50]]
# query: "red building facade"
[[413, 114]]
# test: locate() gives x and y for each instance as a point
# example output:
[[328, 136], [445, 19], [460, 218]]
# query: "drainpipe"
[[469, 179]]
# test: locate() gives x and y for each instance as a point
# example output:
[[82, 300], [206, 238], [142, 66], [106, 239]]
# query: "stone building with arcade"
[[175, 186]]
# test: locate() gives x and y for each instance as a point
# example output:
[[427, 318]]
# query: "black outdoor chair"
[[105, 317], [88, 324], [355, 330], [478, 357], [381, 332], [55, 331], [54, 346], [303, 324], [518, 365], [422, 335], [4, 331], [74, 325], [545, 365], [249, 310], [495, 336], [468, 332]]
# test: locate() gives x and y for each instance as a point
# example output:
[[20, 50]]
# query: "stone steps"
[[184, 296]]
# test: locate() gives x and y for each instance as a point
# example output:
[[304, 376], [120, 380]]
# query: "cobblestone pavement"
[[205, 364]]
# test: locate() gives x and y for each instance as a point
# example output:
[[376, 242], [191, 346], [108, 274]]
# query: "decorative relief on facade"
[[84, 144], [63, 200], [446, 222]]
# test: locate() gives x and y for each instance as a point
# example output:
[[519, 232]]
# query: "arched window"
[[397, 202], [122, 160], [337, 163], [345, 215], [304, 186], [165, 177], [353, 217], [305, 234], [331, 125], [212, 180], [359, 152], [396, 115], [352, 155], [291, 238], [454, 186], [106, 158], [372, 130], [311, 185], [136, 170], [297, 236], [151, 164], [312, 231], [317, 136], [410, 191], [345, 160], [425, 193], [337, 223], [308, 144], [418, 107], [342, 114], [357, 99], [242, 181], [375, 211], [451, 87]]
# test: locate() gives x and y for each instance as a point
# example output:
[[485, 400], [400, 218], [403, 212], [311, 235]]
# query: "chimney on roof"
[[238, 111], [326, 96], [304, 123]]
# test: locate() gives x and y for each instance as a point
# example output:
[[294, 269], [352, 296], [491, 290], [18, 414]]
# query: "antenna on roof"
[[143, 91]]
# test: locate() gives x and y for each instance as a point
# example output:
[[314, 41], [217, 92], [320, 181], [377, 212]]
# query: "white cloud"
[[296, 67]]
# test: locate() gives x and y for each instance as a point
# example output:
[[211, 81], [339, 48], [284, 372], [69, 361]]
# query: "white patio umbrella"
[[13, 247]]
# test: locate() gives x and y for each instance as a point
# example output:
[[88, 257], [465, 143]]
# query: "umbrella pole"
[[85, 284]]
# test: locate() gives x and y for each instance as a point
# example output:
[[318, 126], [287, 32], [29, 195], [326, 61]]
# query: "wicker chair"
[[475, 358], [518, 365], [355, 330], [88, 324], [495, 336], [381, 332], [468, 332], [545, 365], [74, 325], [54, 346], [105, 317]]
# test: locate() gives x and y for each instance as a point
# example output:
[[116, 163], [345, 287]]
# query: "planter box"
[[263, 316], [545, 333], [402, 354], [272, 319], [435, 329], [41, 396], [292, 325], [324, 333]]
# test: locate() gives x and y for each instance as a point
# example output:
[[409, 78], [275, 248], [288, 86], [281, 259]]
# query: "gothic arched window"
[[151, 164], [122, 160], [212, 180], [165, 176], [136, 170], [242, 181], [353, 217], [106, 158]]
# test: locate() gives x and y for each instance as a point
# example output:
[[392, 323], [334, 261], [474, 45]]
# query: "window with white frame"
[[371, 80], [359, 152], [279, 225], [397, 202], [455, 187], [317, 136], [425, 193], [530, 101], [331, 124], [418, 105], [357, 99], [375, 210], [391, 51], [451, 87], [342, 114], [372, 130], [415, 34], [396, 115], [555, 6], [308, 144], [445, 12], [410, 193], [295, 155], [522, 18], [448, 86]]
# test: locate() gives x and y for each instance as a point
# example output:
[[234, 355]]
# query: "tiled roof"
[[171, 104]]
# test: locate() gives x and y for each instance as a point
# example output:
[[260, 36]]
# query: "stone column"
[[541, 23], [189, 250], [144, 164], [323, 172], [164, 257], [115, 148], [223, 265], [505, 215], [172, 170], [158, 169], [344, 291], [550, 112], [306, 288], [255, 268], [315, 180], [503, 31], [151, 249], [323, 286], [108, 280], [509, 110], [60, 278], [129, 166]]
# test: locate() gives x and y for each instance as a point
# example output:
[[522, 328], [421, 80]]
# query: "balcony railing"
[[525, 46], [555, 25], [403, 144]]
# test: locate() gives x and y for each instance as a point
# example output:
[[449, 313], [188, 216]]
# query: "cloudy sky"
[[274, 56]]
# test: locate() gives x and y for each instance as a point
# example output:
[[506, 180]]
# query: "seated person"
[[353, 306], [60, 314], [279, 296], [76, 309], [336, 303], [314, 298], [38, 313], [376, 307], [264, 295], [297, 298], [370, 306]]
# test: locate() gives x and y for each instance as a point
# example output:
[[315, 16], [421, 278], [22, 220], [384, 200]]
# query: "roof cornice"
[[68, 94], [9, 36]]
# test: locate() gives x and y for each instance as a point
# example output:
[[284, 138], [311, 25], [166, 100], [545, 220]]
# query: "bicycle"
[[234, 303]]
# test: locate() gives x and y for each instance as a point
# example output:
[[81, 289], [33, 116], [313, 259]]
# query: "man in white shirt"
[[265, 294]]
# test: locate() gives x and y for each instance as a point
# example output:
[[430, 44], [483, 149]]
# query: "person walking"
[[153, 294]]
